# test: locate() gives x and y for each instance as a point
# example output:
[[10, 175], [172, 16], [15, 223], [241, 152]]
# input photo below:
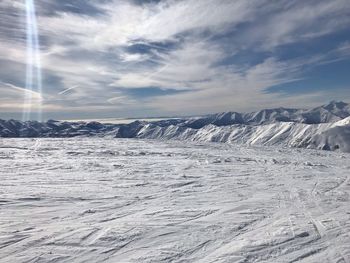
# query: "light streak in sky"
[[33, 70], [66, 90]]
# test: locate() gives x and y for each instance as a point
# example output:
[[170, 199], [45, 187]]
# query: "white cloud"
[[11, 95], [298, 21], [93, 52]]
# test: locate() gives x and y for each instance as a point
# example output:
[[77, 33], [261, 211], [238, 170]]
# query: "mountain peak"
[[332, 105]]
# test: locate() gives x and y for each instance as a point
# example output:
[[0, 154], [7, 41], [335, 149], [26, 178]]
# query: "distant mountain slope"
[[326, 136], [326, 127], [51, 128], [334, 111]]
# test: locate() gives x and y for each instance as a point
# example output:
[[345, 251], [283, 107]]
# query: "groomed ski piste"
[[91, 199]]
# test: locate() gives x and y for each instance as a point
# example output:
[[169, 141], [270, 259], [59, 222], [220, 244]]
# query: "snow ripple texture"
[[127, 200]]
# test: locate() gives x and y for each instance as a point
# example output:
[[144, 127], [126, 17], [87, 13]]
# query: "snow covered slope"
[[326, 127], [111, 200], [326, 136]]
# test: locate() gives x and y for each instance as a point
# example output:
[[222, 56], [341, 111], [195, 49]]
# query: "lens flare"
[[33, 70]]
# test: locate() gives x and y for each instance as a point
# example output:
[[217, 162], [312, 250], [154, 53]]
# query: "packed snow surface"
[[126, 200]]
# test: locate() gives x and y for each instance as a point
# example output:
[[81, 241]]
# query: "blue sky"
[[133, 58]]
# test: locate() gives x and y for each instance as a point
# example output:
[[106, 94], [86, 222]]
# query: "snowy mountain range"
[[326, 127], [332, 112]]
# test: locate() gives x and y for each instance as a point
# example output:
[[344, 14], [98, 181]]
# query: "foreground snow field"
[[120, 200]]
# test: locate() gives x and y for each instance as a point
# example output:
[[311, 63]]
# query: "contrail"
[[66, 90], [33, 70]]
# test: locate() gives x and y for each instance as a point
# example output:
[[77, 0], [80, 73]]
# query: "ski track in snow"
[[127, 200]]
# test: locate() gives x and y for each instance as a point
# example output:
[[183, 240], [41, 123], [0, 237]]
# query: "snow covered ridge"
[[331, 112], [52, 128], [326, 127], [325, 136]]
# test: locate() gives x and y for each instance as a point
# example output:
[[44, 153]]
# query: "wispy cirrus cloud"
[[181, 57]]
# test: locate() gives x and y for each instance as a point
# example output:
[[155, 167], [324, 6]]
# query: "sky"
[[144, 58]]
